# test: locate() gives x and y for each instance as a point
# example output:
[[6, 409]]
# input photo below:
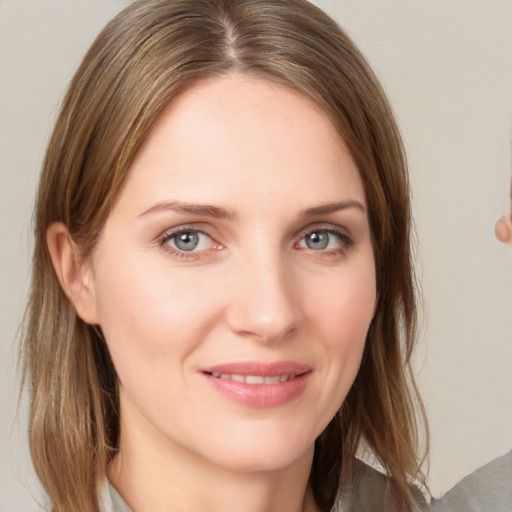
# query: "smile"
[[259, 385]]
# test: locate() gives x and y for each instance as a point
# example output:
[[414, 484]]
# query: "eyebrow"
[[327, 208], [205, 210], [218, 212]]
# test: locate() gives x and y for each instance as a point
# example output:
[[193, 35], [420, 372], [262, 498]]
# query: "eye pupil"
[[317, 241], [187, 241]]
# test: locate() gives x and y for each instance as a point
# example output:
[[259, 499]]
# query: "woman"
[[222, 309]]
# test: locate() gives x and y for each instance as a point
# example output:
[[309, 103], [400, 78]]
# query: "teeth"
[[253, 379]]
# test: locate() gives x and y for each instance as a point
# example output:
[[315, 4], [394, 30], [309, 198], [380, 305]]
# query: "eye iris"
[[187, 241], [317, 241]]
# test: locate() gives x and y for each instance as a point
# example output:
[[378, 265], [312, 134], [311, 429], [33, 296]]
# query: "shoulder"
[[487, 489], [369, 490]]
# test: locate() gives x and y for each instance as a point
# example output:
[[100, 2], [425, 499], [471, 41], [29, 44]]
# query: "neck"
[[153, 473]]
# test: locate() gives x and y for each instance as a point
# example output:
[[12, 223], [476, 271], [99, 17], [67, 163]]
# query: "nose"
[[265, 303]]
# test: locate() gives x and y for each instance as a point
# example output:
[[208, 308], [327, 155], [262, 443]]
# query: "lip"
[[295, 377]]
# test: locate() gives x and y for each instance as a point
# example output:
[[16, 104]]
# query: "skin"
[[503, 229], [256, 288]]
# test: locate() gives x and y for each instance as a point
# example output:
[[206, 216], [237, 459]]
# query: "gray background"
[[447, 66]]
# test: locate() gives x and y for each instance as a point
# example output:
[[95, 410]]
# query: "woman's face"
[[234, 280]]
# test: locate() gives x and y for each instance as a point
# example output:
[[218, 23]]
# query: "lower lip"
[[260, 395]]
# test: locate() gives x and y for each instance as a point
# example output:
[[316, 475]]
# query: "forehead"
[[240, 134]]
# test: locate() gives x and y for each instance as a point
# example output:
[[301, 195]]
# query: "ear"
[[503, 230], [74, 273]]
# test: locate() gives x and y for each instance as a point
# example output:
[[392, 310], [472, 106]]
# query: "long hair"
[[136, 66]]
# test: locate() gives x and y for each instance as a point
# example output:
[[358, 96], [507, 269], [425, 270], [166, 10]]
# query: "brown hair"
[[138, 63]]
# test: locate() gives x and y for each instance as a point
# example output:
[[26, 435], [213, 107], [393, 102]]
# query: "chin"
[[265, 452]]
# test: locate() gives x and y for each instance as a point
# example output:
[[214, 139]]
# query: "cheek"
[[345, 304], [344, 312], [150, 313]]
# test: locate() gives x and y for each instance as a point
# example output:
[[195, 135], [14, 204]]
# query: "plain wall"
[[447, 67]]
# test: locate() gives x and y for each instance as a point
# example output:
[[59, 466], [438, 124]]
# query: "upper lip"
[[259, 368]]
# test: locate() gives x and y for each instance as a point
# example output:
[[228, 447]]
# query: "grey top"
[[371, 491], [488, 489]]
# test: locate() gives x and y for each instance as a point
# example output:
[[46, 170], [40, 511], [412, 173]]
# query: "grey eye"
[[318, 240], [186, 241]]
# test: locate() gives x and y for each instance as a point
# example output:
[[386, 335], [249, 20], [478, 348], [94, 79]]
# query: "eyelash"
[[345, 241]]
